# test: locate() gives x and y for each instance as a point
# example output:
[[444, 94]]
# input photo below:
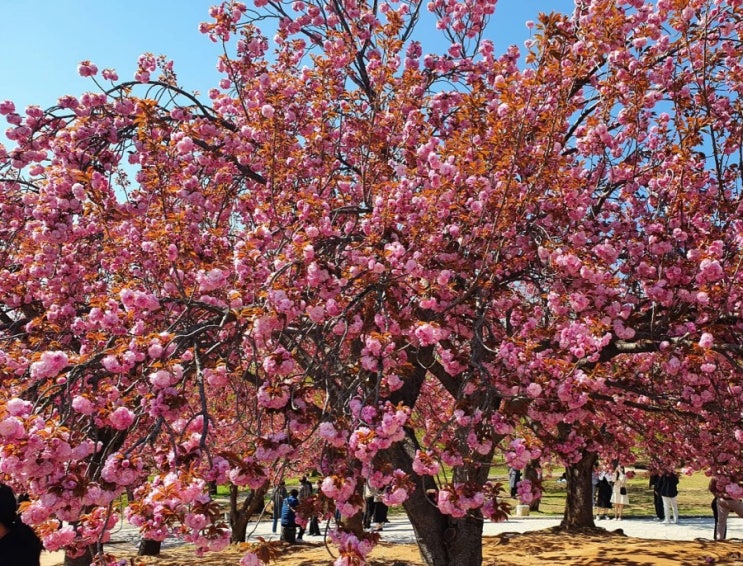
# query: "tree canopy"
[[390, 263]]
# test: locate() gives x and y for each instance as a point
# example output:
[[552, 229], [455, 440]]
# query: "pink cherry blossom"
[[87, 69], [12, 428], [334, 252], [19, 407], [706, 340], [122, 418], [251, 559], [6, 107], [49, 365]]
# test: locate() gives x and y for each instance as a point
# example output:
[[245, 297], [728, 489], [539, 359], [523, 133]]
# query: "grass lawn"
[[693, 500]]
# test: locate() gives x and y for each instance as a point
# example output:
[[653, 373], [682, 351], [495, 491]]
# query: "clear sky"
[[42, 41]]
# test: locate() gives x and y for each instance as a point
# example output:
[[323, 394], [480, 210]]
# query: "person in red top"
[[19, 545], [725, 504]]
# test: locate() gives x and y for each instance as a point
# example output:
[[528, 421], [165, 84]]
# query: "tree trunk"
[[531, 473], [149, 547], [355, 523], [240, 515], [110, 441], [442, 539], [84, 560], [579, 500]]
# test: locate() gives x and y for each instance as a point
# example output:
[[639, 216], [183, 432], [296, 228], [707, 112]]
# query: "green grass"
[[693, 500]]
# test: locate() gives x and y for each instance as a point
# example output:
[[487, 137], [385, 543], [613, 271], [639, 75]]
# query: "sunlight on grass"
[[694, 499]]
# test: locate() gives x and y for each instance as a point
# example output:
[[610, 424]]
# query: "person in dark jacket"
[[514, 477], [657, 497], [668, 488], [19, 545], [603, 496], [288, 517]]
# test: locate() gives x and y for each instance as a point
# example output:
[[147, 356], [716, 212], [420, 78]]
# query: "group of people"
[[284, 507], [610, 493], [20, 546], [665, 492], [665, 498], [375, 509]]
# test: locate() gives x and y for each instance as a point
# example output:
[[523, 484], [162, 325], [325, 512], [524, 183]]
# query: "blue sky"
[[42, 41]]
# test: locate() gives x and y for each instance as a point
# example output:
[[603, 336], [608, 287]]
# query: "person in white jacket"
[[619, 497]]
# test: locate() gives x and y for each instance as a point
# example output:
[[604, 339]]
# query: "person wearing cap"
[[19, 545]]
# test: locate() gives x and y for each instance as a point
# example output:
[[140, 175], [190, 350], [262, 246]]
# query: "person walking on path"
[[668, 487], [657, 497], [19, 545], [619, 495], [277, 500], [725, 504]]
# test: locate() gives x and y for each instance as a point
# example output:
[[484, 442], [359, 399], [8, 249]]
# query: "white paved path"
[[399, 530]]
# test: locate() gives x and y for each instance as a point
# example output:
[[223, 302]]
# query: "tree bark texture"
[[443, 540], [149, 547], [579, 499], [84, 560], [240, 514], [531, 473]]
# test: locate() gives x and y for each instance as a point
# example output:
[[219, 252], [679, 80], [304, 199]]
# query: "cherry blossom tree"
[[401, 256]]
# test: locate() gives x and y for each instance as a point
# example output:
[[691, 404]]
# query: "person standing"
[[289, 517], [314, 530], [369, 493], [380, 510], [715, 515], [305, 491], [305, 488], [619, 496], [725, 504], [19, 544], [603, 496], [277, 499], [657, 497], [514, 477], [668, 487], [595, 477]]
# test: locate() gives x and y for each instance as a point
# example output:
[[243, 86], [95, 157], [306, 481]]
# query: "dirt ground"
[[508, 549]]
